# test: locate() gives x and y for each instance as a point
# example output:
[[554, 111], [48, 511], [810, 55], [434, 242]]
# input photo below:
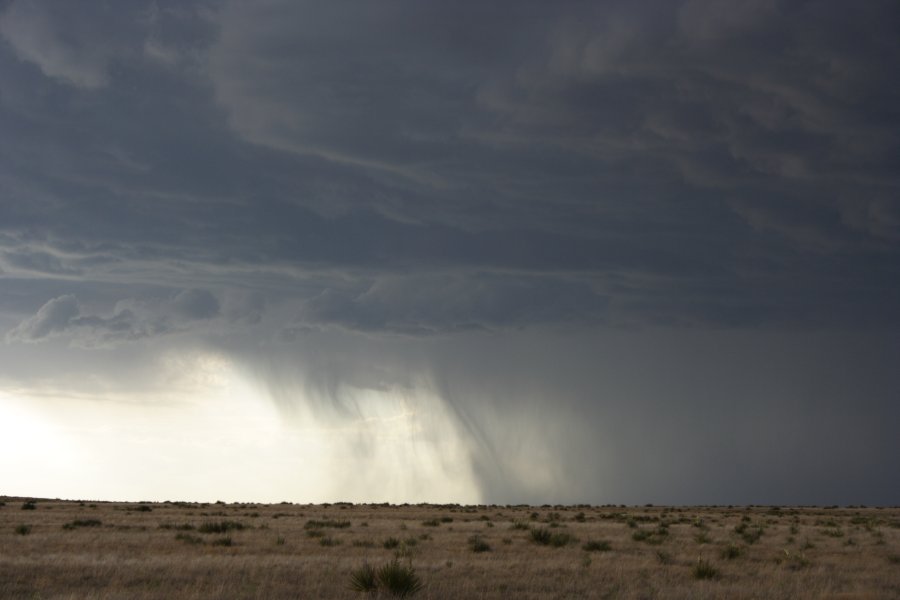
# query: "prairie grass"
[[176, 550]]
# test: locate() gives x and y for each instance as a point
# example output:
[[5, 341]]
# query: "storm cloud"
[[611, 248]]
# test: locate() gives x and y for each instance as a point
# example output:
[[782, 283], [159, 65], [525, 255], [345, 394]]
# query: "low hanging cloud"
[[445, 303], [130, 319]]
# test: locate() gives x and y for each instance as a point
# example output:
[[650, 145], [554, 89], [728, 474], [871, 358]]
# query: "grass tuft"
[[596, 546], [704, 570], [732, 551]]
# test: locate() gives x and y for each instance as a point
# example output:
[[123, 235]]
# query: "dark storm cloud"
[[731, 143], [445, 303], [287, 180]]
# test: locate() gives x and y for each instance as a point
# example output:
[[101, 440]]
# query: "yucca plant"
[[398, 580], [363, 579]]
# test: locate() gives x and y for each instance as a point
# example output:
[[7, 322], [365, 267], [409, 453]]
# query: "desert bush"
[[224, 541], [398, 580], [519, 525], [653, 537], [431, 523], [362, 544], [751, 536], [477, 544], [23, 529], [329, 541], [181, 527], [539, 535], [220, 526], [391, 543], [314, 524], [704, 570], [731, 552], [364, 579], [29, 505], [596, 546], [82, 523], [394, 579]]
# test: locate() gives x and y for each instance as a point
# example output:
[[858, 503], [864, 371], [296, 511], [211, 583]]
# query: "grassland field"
[[58, 549]]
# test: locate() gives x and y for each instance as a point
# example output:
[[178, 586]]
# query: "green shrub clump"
[[394, 579]]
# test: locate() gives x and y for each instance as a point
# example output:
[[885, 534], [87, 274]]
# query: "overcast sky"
[[451, 251]]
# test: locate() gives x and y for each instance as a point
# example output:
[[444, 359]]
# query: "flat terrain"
[[69, 549]]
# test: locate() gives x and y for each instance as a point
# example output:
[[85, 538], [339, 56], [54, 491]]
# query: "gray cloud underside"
[[688, 164]]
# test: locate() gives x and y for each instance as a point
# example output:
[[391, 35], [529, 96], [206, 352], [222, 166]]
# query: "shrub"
[[431, 523], [704, 570], [545, 537], [391, 543], [29, 505], [596, 546], [364, 579], [220, 526], [519, 525], [329, 541], [182, 527], [539, 535], [225, 541], [731, 552], [398, 580], [313, 524], [477, 544], [23, 529], [82, 523], [751, 536]]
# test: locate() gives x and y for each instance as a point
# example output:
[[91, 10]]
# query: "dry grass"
[[178, 550]]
